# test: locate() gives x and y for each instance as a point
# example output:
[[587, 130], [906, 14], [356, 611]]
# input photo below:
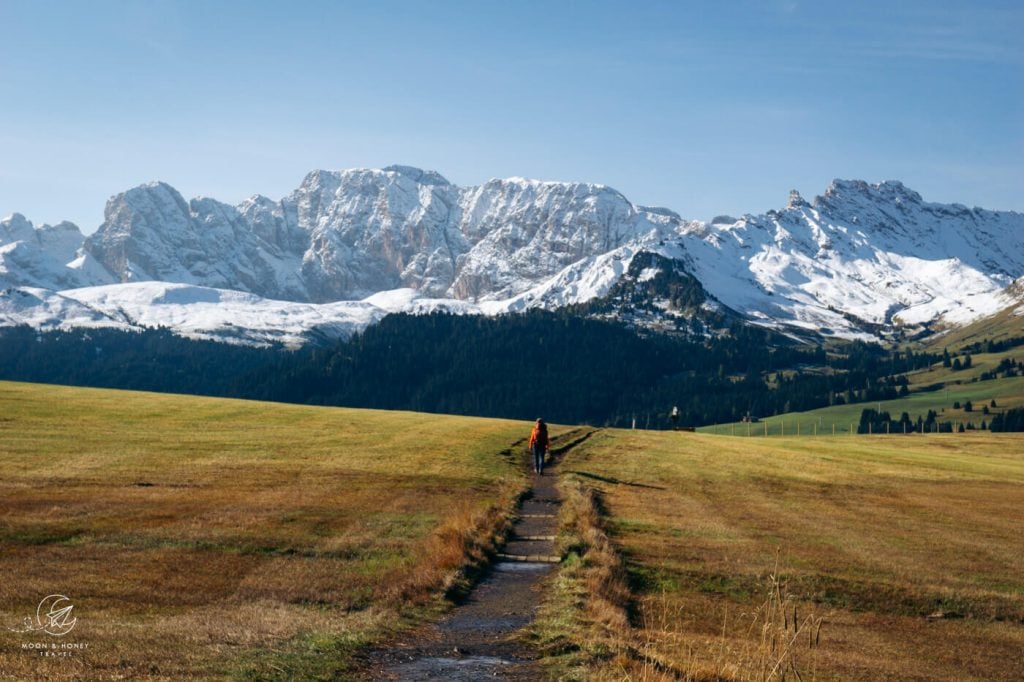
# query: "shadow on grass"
[[616, 481], [856, 596], [573, 437]]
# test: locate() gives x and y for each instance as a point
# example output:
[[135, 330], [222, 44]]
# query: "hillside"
[[208, 538], [1005, 325], [1007, 393], [956, 385]]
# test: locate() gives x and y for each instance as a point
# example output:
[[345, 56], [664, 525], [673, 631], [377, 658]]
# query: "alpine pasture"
[[220, 538], [212, 538], [863, 557]]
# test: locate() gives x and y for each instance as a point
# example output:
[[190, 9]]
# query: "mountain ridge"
[[859, 260]]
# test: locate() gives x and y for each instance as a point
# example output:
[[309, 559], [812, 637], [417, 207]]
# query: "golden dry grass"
[[217, 538], [586, 608], [723, 537]]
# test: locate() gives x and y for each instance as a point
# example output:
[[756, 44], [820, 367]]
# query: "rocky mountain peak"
[[795, 200], [871, 252], [423, 177], [14, 228], [886, 192]]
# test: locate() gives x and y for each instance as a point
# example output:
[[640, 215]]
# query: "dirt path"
[[476, 640]]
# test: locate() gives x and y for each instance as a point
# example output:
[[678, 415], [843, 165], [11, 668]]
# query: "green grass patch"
[[843, 419]]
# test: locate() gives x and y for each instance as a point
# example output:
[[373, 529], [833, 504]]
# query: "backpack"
[[542, 435]]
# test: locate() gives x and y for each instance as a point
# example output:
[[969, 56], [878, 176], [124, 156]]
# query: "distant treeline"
[[556, 365], [1011, 420], [990, 346], [150, 360]]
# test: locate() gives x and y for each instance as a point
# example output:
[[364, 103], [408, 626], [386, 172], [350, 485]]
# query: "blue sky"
[[704, 107]]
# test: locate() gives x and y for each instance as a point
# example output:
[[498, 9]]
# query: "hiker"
[[539, 444]]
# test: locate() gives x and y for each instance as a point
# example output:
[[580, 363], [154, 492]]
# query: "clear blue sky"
[[704, 107]]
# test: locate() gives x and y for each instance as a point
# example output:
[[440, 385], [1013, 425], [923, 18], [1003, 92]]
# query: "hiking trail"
[[477, 638]]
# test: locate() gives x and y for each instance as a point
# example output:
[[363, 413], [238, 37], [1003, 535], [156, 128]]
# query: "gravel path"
[[476, 640]]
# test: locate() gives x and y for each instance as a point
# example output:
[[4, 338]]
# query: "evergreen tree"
[[591, 371], [1011, 420]]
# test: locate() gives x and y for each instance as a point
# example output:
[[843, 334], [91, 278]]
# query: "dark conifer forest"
[[563, 367]]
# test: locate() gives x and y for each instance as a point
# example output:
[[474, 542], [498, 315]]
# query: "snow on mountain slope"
[[151, 233], [862, 260], [524, 231], [348, 234], [221, 314], [195, 312], [1010, 301], [47, 256], [45, 309], [861, 255]]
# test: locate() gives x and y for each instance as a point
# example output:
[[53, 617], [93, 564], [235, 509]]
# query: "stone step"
[[532, 558], [536, 538], [538, 516]]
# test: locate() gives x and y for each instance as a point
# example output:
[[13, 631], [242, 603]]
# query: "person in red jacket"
[[539, 444]]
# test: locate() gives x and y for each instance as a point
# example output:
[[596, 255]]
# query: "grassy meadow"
[[204, 538], [207, 538], [932, 388], [844, 418], [858, 558]]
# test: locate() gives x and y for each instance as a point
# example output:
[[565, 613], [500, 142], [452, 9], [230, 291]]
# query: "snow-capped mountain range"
[[347, 247]]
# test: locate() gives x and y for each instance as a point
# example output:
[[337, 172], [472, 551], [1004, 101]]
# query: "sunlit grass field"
[[980, 363], [843, 419], [908, 553], [207, 538], [1006, 324], [204, 538]]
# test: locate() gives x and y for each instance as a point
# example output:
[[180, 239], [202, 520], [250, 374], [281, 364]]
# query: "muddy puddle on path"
[[477, 639]]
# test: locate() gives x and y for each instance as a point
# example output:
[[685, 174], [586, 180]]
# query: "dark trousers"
[[538, 458]]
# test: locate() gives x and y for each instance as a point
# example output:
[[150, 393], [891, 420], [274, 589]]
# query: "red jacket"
[[540, 435]]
